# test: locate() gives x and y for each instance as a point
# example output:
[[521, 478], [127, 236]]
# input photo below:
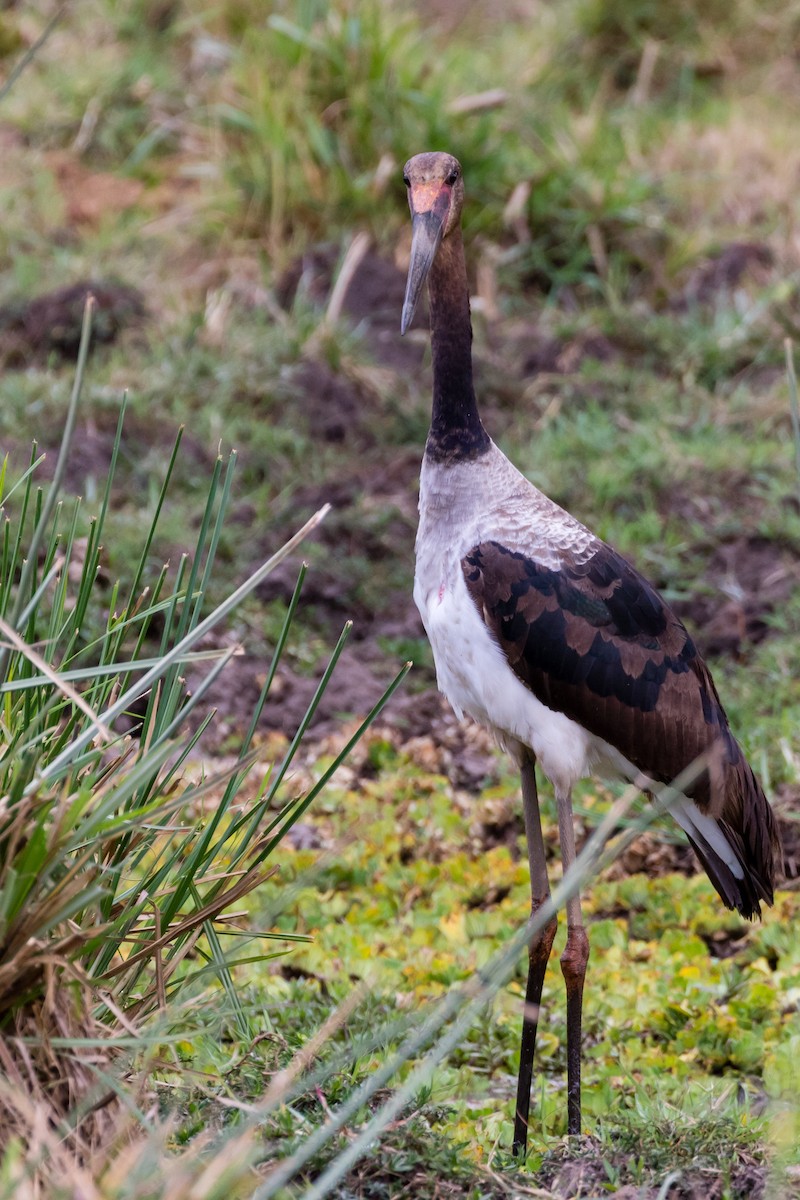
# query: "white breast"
[[472, 671]]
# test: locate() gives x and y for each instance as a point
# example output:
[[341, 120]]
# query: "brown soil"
[[90, 196], [334, 407], [746, 581], [93, 441], [31, 330], [563, 356], [374, 299]]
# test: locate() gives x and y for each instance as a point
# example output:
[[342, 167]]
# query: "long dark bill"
[[427, 229]]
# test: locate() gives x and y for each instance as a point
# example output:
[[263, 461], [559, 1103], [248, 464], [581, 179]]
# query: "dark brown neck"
[[456, 431]]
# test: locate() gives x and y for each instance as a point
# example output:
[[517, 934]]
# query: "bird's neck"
[[456, 431]]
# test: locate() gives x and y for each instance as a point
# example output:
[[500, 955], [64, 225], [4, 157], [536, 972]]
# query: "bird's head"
[[435, 195]]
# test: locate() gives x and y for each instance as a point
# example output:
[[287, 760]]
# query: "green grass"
[[681, 1049], [636, 141]]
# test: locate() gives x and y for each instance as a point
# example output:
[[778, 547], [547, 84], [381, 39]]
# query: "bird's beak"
[[429, 210]]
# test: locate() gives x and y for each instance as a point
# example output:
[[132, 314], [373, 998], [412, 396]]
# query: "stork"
[[549, 638]]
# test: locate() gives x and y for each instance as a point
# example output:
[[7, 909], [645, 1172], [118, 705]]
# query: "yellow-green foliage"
[[414, 905]]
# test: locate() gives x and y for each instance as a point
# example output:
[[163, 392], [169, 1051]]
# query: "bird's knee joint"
[[542, 943], [576, 955]]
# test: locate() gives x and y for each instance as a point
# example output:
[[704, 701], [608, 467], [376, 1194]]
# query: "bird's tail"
[[739, 847]]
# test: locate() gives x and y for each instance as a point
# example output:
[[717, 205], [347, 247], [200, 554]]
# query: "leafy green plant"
[[327, 91]]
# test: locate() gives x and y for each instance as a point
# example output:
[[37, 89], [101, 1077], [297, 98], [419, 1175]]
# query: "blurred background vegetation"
[[226, 181]]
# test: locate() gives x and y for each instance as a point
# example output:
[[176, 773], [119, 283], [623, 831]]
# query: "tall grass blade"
[[13, 639], [61, 465], [794, 405], [56, 768]]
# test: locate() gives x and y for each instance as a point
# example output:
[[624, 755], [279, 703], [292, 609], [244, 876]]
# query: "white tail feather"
[[706, 829]]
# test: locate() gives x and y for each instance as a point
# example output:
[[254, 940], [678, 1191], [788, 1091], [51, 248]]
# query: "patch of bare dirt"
[[33, 329], [93, 441], [745, 581], [374, 298], [652, 856], [787, 810], [421, 722], [564, 356], [234, 695], [371, 528], [724, 944], [336, 409], [89, 196]]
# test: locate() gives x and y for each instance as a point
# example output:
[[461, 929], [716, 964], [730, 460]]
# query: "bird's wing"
[[595, 641]]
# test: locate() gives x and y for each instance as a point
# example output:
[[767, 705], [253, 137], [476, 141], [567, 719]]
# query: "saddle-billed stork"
[[547, 636]]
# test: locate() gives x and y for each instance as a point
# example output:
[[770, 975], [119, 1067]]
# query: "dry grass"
[[52, 1100], [734, 180]]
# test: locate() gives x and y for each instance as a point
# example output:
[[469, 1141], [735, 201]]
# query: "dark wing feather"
[[595, 641]]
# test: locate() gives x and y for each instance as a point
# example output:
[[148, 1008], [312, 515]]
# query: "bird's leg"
[[538, 952], [573, 967]]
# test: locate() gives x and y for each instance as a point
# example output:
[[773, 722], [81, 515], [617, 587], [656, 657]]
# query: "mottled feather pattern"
[[595, 641], [466, 502]]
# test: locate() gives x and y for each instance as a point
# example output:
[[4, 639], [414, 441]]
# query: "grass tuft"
[[118, 873]]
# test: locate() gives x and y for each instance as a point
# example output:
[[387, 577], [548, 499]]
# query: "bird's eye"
[[406, 181], [452, 177]]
